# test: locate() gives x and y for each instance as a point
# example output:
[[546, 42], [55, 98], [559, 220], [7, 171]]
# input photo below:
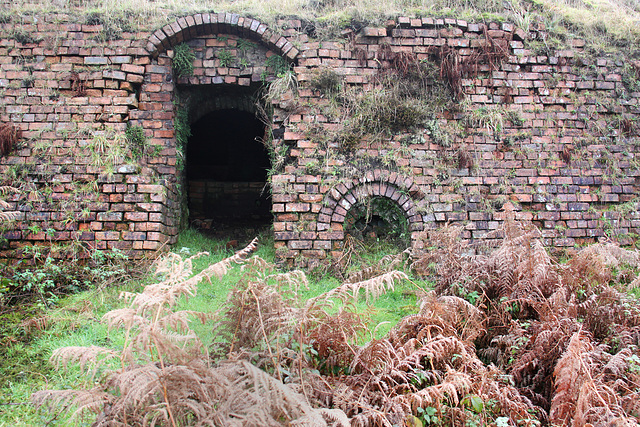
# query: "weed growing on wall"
[[137, 140], [225, 58], [183, 58], [278, 66], [407, 94], [24, 37], [106, 149], [326, 81], [182, 127], [286, 84]]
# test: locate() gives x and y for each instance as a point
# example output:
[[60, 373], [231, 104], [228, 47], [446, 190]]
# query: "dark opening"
[[227, 171], [377, 219]]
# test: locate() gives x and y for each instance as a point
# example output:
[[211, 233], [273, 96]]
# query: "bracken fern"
[[508, 337]]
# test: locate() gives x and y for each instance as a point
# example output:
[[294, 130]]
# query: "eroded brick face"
[[555, 132]]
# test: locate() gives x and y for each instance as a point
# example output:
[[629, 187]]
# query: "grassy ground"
[[75, 321]]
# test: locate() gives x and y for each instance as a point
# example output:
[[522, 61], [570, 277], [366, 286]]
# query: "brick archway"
[[156, 109], [200, 24], [377, 183]]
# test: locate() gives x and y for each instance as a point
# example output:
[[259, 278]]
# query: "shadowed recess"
[[227, 170]]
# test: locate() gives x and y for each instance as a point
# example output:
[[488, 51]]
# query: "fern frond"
[[220, 268], [450, 391], [294, 280], [373, 288], [92, 356], [8, 216], [260, 399], [570, 374], [464, 318], [84, 401], [385, 265]]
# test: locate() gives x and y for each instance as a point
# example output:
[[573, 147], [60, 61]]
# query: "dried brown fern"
[[162, 376], [453, 67], [386, 264], [565, 352], [7, 216], [9, 137], [582, 393]]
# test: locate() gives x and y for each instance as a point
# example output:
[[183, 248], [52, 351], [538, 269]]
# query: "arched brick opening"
[[377, 183], [222, 87], [202, 24]]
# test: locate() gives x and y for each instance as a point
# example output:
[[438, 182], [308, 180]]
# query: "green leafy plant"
[[137, 140], [428, 415], [245, 45], [49, 279], [183, 58], [278, 65], [225, 58]]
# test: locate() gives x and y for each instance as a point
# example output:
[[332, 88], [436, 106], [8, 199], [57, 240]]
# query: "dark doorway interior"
[[227, 171]]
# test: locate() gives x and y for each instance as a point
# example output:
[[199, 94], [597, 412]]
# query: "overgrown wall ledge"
[[555, 132]]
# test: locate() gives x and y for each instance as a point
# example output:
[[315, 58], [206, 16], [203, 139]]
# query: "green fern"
[[183, 60]]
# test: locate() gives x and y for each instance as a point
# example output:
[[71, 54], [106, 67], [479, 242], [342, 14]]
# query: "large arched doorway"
[[204, 88]]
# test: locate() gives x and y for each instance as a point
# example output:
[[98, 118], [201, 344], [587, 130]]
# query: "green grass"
[[602, 22], [75, 321]]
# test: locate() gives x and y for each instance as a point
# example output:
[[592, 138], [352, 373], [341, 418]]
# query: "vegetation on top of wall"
[[603, 22], [114, 23]]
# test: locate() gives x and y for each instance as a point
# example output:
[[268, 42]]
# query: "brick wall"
[[554, 132]]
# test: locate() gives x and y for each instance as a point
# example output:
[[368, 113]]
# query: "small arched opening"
[[377, 219]]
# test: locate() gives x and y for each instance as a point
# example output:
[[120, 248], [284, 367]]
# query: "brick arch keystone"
[[189, 27], [382, 183]]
